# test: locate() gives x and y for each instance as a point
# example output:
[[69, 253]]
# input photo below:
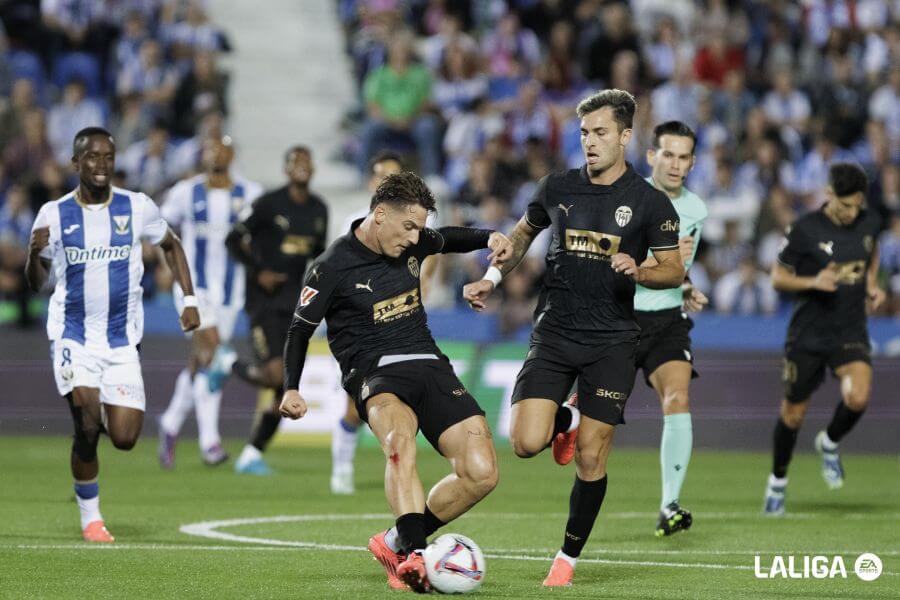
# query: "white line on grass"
[[209, 529]]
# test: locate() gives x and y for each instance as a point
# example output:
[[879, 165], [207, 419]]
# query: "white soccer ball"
[[455, 564]]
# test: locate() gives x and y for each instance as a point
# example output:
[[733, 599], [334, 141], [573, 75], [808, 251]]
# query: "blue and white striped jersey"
[[205, 216], [95, 251]]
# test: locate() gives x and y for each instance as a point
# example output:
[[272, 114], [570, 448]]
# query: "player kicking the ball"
[[366, 287], [91, 240]]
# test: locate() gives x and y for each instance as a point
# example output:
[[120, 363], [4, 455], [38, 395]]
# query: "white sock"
[[392, 539], [207, 406], [249, 454], [180, 404], [343, 448], [566, 558], [777, 481], [88, 507], [576, 420]]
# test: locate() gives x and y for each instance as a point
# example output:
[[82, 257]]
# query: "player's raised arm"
[[37, 268]]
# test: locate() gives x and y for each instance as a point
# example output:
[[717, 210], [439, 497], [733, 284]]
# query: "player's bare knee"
[[590, 466], [857, 399], [526, 446], [123, 441], [399, 448], [792, 413], [675, 402]]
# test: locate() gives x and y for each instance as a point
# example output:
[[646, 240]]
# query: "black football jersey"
[[284, 237], [582, 297], [823, 319], [371, 303]]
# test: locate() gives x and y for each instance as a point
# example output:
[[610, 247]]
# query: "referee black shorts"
[[428, 386], [605, 375], [665, 337], [268, 332], [804, 369]]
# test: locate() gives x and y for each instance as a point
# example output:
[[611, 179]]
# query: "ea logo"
[[623, 216], [867, 566]]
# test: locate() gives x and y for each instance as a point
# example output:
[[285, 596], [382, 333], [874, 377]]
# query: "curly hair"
[[402, 189]]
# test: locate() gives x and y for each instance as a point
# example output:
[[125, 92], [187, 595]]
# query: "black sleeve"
[[255, 222], [794, 249], [536, 214], [460, 239], [662, 229], [320, 241], [315, 299]]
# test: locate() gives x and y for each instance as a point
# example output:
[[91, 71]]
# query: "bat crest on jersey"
[[623, 216], [413, 265], [307, 295]]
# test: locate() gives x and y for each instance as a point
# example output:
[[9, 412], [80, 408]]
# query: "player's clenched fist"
[[293, 406], [477, 292], [190, 318], [40, 238], [624, 264]]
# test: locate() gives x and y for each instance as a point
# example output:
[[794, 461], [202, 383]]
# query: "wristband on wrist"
[[190, 302], [493, 275]]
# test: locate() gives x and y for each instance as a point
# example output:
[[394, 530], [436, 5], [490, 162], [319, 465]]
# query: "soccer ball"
[[455, 564]]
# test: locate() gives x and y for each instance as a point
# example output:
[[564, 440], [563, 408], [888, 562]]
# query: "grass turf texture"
[[41, 554]]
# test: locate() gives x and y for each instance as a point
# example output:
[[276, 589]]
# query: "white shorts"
[[212, 314], [115, 372]]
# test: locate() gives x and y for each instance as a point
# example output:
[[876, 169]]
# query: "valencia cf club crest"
[[868, 243], [623, 216], [121, 224], [307, 295], [413, 264]]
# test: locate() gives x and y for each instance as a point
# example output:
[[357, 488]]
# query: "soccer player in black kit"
[[284, 232], [603, 217], [831, 262], [366, 287]]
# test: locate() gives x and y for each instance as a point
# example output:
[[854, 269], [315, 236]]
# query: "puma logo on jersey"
[[71, 228], [365, 286], [826, 247], [565, 209]]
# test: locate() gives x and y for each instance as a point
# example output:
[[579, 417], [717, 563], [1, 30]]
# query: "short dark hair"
[[674, 128], [402, 189], [847, 178], [621, 102], [297, 148], [384, 156], [84, 135]]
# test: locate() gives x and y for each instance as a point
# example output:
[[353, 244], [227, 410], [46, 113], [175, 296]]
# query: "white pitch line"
[[209, 529]]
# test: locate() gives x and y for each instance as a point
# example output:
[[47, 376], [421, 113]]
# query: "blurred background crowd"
[[478, 96]]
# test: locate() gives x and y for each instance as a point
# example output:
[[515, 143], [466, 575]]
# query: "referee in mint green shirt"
[[664, 352]]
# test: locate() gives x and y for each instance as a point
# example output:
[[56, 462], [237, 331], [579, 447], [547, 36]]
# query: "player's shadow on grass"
[[839, 507]]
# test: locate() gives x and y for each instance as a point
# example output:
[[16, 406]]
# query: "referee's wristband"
[[493, 275], [190, 302]]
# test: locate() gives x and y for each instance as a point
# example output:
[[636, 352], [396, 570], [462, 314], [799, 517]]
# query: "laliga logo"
[[867, 567]]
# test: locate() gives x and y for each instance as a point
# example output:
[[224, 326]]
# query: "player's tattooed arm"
[[874, 294], [175, 258], [514, 249], [521, 238], [37, 268]]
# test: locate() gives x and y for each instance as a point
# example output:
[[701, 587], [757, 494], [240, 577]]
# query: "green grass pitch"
[[317, 550]]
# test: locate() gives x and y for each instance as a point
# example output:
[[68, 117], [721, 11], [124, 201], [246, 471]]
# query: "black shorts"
[[605, 374], [665, 336], [804, 370], [268, 331], [429, 387]]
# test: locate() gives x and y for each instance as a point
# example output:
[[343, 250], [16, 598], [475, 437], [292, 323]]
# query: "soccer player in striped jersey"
[[206, 207], [90, 239]]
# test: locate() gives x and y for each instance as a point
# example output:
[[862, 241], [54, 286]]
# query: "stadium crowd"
[[479, 97]]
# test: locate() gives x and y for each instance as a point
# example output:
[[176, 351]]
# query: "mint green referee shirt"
[[691, 213]]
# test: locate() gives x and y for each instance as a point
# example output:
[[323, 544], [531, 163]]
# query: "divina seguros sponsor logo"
[[867, 567], [80, 256]]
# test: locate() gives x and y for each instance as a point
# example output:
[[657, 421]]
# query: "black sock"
[[562, 421], [432, 523], [411, 531], [842, 422], [785, 439], [584, 504], [264, 430]]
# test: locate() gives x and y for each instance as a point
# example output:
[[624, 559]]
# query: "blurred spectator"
[[459, 81], [531, 120], [510, 42], [725, 256], [150, 163], [16, 219], [50, 185], [14, 109], [150, 78], [841, 100], [73, 113], [889, 249], [24, 156], [785, 105], [884, 106], [397, 96], [665, 50], [616, 36], [200, 92], [450, 34], [745, 291], [715, 60], [677, 99], [131, 122], [191, 32]]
